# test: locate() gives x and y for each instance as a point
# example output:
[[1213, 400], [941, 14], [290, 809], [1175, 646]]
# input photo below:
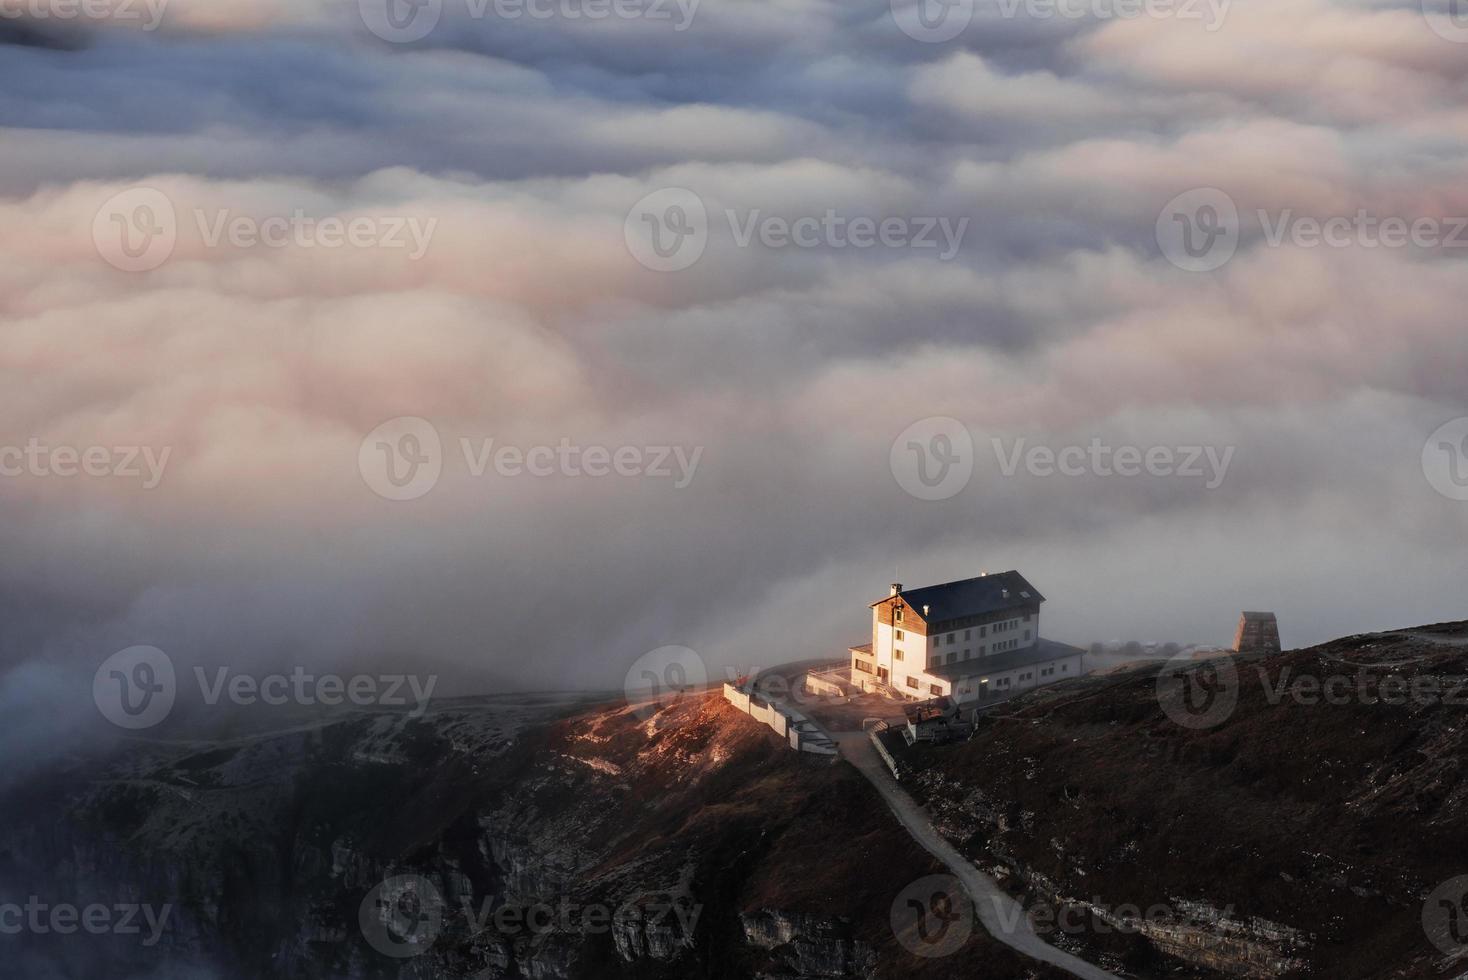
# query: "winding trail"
[[1001, 915]]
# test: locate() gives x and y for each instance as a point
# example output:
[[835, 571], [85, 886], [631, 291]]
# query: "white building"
[[969, 640]]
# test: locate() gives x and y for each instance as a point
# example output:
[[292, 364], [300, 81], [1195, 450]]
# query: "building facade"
[[969, 640]]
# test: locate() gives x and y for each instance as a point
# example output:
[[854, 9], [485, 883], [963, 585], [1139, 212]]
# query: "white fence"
[[802, 733]]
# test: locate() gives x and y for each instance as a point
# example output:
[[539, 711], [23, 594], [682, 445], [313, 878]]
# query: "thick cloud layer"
[[516, 149]]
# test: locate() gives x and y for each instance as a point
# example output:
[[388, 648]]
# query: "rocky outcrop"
[[804, 945]]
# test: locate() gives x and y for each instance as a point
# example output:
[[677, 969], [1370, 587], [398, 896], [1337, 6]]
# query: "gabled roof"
[[972, 597]]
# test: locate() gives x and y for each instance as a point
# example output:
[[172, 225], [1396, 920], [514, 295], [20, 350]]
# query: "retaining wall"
[[802, 733]]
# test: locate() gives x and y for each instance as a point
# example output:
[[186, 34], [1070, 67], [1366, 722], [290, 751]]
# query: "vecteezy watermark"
[[137, 230], [147, 14], [669, 229], [933, 459], [407, 21], [401, 916], [39, 918], [1096, 917], [936, 21], [403, 459], [1445, 916], [661, 678], [1445, 459], [1200, 230], [1099, 458], [933, 916], [1198, 694], [1203, 693], [137, 688], [40, 460], [1447, 18]]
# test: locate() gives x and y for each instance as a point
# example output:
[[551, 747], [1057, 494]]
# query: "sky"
[[709, 320]]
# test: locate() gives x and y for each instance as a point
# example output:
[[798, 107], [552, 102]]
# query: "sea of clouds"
[[524, 142]]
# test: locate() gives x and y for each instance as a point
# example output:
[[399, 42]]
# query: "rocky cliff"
[[490, 838]]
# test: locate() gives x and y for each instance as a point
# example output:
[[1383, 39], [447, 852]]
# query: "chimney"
[[897, 588], [925, 609], [1004, 593]]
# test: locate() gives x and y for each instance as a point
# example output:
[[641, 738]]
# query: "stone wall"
[[802, 733]]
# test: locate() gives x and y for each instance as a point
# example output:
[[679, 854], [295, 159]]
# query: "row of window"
[[999, 647]]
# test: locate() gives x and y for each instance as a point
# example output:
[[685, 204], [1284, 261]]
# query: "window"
[[897, 615], [950, 637], [966, 633], [936, 690], [966, 652], [899, 634], [1027, 634], [983, 631], [897, 654], [952, 657], [912, 683], [1065, 668]]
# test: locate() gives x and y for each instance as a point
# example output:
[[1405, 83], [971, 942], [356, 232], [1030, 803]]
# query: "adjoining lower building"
[[969, 641]]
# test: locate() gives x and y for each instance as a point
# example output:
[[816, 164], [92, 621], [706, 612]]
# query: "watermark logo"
[[1445, 459], [1211, 13], [932, 21], [933, 916], [933, 459], [41, 918], [135, 688], [1445, 916], [1448, 19], [667, 230], [136, 230], [1099, 458], [402, 916], [662, 678], [402, 458], [401, 21], [42, 460], [148, 12], [1198, 694], [1198, 231]]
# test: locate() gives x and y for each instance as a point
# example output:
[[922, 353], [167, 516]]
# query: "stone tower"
[[1258, 633]]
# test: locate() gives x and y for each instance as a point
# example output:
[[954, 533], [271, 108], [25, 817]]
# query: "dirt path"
[[999, 914]]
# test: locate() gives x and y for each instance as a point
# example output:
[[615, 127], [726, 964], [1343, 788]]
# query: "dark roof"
[[1259, 616], [864, 648], [972, 597], [1042, 652]]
